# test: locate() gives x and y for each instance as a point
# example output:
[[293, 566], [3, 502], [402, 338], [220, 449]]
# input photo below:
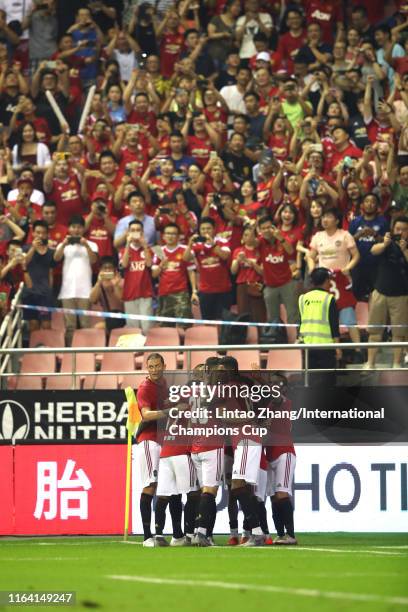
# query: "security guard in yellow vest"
[[319, 320]]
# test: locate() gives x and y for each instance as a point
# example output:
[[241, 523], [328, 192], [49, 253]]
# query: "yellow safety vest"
[[314, 312]]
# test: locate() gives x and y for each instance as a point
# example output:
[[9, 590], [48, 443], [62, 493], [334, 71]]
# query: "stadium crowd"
[[229, 148]]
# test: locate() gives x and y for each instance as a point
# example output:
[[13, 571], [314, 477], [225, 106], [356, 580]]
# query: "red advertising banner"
[[6, 490], [69, 489]]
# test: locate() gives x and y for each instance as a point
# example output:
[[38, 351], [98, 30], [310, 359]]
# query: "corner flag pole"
[[134, 418]]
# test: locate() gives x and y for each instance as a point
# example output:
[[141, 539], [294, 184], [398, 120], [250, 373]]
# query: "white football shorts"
[[280, 474], [247, 457], [209, 466], [177, 475], [146, 456]]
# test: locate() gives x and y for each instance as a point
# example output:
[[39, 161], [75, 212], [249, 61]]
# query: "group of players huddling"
[[252, 468]]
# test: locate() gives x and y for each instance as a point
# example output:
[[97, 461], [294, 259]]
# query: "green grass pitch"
[[333, 572]]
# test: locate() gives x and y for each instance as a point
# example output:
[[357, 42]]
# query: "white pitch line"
[[301, 548], [235, 586], [404, 547], [42, 558]]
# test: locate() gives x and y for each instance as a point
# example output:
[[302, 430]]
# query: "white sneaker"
[[149, 543], [254, 540], [285, 540], [179, 542], [367, 366]]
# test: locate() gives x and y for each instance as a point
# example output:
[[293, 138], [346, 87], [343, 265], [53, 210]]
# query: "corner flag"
[[133, 420]]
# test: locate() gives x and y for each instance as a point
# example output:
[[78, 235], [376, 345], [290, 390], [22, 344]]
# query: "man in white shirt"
[[249, 25], [234, 94], [79, 255]]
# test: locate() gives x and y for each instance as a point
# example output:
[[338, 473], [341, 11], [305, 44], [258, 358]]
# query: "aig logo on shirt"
[[275, 259]]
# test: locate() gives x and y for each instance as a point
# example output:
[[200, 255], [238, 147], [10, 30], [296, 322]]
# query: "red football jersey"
[[137, 279], [174, 278], [246, 274], [200, 149], [99, 234], [275, 261], [214, 272], [67, 196], [341, 288], [208, 423], [151, 395], [280, 434], [138, 159], [170, 49], [148, 120]]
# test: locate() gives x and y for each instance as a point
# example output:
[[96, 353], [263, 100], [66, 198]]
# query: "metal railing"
[[7, 352], [11, 331]]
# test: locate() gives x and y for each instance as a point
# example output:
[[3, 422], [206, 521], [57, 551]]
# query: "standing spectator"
[[252, 22], [79, 255], [170, 34], [221, 29], [39, 263], [41, 22], [88, 35], [136, 261], [279, 287], [292, 40], [367, 229], [137, 207], [107, 293], [246, 265], [141, 28], [61, 184], [390, 295], [211, 254], [174, 275], [57, 82]]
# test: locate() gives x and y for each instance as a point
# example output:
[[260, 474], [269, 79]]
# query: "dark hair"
[[176, 134], [107, 259], [359, 8], [40, 223], [373, 195], [335, 212], [155, 356], [383, 28], [294, 210], [143, 94], [309, 222], [173, 225], [135, 222], [252, 93], [264, 220], [190, 31], [206, 220], [400, 218], [319, 276], [50, 203], [134, 194], [20, 140], [107, 153], [229, 363], [77, 220]]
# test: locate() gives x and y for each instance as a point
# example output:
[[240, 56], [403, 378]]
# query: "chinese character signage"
[[69, 489]]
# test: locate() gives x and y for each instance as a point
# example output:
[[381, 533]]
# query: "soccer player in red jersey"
[[207, 453], [151, 397], [282, 461]]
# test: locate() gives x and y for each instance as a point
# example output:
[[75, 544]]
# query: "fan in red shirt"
[[26, 109], [140, 113], [203, 140], [290, 42], [211, 255], [328, 14], [171, 42], [281, 456], [151, 399], [342, 148], [246, 264], [228, 221], [63, 187], [275, 254], [132, 150], [178, 213], [108, 173], [169, 266], [99, 226], [23, 207], [161, 186], [136, 260]]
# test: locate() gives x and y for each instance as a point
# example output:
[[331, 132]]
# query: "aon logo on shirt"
[[275, 259]]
